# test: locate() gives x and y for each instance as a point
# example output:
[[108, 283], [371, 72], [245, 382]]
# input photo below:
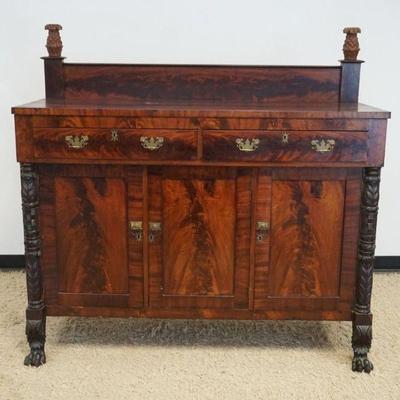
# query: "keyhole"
[[138, 236]]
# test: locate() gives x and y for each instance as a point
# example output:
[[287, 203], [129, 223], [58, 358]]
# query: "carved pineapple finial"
[[351, 46], [54, 43]]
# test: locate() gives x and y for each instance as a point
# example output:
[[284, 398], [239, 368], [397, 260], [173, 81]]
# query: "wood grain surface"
[[263, 198], [51, 143], [135, 212], [91, 235], [221, 145], [310, 124], [306, 238], [200, 109], [201, 258], [199, 229], [124, 83], [316, 313]]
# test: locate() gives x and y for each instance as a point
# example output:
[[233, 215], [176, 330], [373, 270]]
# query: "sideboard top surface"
[[197, 108]]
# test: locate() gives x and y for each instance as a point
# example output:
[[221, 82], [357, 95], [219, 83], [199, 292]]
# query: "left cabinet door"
[[87, 260]]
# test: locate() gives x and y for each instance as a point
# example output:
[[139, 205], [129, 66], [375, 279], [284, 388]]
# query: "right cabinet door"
[[306, 262]]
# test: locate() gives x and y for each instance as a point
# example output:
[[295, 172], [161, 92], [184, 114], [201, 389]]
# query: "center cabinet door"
[[199, 237]]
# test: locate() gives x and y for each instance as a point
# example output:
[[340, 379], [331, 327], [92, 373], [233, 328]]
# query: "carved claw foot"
[[361, 363], [361, 342], [36, 357], [35, 330]]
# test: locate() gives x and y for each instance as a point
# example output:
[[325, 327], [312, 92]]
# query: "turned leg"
[[35, 312], [362, 317]]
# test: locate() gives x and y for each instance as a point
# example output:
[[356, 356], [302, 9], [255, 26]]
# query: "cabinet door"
[[200, 256], [84, 222], [302, 265]]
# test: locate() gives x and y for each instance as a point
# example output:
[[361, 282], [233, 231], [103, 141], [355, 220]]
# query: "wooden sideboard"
[[176, 191]]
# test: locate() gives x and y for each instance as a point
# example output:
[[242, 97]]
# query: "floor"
[[151, 359]]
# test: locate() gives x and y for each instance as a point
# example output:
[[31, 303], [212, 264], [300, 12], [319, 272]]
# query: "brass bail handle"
[[323, 146], [151, 143], [76, 142], [247, 145]]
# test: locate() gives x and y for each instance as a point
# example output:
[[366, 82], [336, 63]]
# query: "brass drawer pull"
[[136, 228], [262, 230], [323, 146], [247, 144], [77, 142], [151, 143]]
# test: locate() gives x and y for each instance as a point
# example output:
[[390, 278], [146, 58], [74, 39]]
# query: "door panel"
[[199, 229], [201, 257], [91, 235], [306, 238], [298, 264]]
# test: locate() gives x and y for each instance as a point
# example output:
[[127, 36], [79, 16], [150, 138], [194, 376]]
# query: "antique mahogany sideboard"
[[182, 191]]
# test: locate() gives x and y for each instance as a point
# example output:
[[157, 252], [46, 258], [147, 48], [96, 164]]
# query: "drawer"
[[137, 144], [285, 146]]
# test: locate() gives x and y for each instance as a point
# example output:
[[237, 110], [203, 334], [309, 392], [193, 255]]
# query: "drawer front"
[[284, 146], [124, 144]]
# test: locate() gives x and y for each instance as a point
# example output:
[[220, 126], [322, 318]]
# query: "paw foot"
[[362, 363], [35, 358]]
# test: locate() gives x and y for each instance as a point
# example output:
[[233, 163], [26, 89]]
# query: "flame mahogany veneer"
[[243, 192]]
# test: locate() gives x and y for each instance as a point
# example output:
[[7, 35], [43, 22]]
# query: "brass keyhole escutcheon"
[[262, 229], [114, 135], [154, 230], [285, 138], [136, 228]]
